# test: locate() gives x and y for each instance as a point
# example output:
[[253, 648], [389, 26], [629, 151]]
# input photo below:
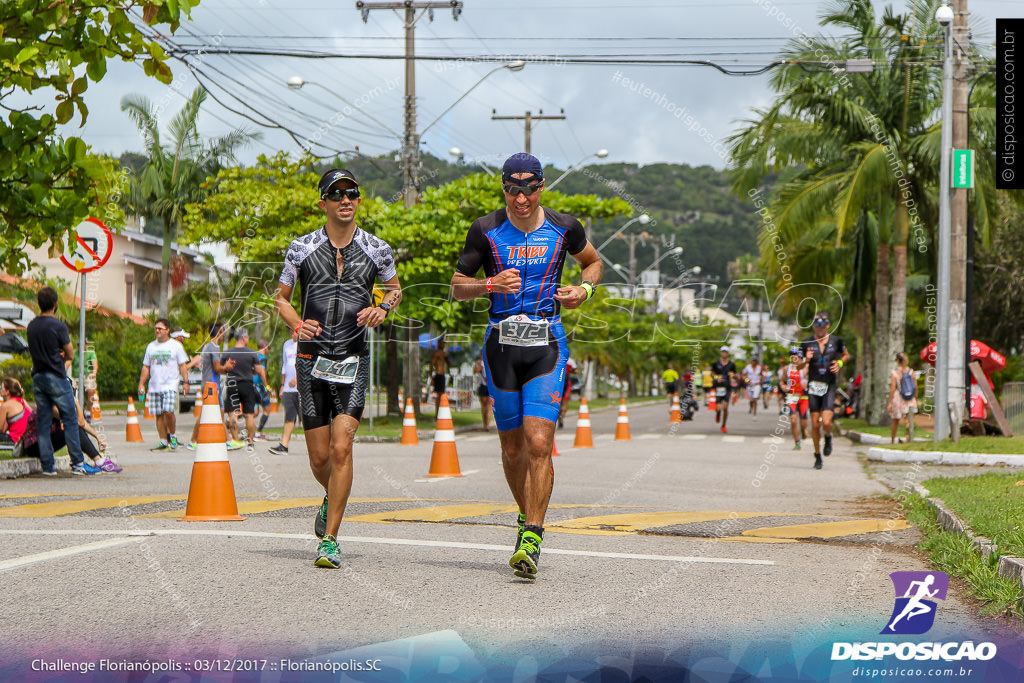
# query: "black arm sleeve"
[[576, 237], [474, 252]]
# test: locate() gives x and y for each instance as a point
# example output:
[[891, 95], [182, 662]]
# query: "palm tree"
[[858, 156], [175, 175]]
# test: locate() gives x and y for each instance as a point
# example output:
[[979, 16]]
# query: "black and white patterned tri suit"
[[333, 301]]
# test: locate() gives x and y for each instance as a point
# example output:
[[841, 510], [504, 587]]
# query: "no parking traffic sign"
[[91, 247]]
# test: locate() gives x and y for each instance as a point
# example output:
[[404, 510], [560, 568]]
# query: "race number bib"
[[519, 330], [817, 388], [720, 391], [336, 371], [792, 399]]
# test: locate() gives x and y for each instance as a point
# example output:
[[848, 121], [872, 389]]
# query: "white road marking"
[[650, 436], [492, 437], [693, 437], [345, 539], [434, 480], [734, 439], [63, 552]]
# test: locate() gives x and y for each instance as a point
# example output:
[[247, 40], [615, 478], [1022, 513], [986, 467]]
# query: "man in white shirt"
[[289, 393], [164, 362], [752, 374]]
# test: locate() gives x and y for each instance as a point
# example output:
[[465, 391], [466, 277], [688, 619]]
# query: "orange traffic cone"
[[197, 410], [712, 403], [622, 424], [133, 433], [444, 460], [409, 437], [211, 493], [675, 415], [554, 449], [146, 415], [584, 439], [273, 401], [94, 409]]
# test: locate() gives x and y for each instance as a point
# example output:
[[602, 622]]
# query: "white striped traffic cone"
[[584, 439], [211, 493], [444, 459], [622, 424], [409, 436]]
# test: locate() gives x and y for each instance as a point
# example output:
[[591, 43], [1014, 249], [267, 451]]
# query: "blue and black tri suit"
[[524, 380]]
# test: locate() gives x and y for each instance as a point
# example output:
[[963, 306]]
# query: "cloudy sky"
[[687, 110]]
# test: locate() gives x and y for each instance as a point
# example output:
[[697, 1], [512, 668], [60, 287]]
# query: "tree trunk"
[[165, 262], [412, 367], [898, 309], [865, 361], [392, 371], [877, 415]]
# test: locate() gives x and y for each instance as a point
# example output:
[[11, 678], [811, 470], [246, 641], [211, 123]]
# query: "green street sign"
[[963, 168]]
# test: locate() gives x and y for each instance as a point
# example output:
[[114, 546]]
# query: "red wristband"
[[298, 329], [490, 284]]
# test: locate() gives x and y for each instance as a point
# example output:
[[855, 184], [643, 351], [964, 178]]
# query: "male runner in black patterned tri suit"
[[823, 356], [336, 267]]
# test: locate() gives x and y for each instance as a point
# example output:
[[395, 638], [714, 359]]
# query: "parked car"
[[188, 401], [12, 344]]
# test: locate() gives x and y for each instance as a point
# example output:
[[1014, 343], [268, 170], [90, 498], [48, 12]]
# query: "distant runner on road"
[[522, 249], [823, 357]]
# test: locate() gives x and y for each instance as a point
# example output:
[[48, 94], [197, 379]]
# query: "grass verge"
[[955, 555], [996, 445], [990, 504]]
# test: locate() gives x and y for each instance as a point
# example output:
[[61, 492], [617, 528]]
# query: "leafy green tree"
[[175, 175], [859, 160], [48, 182]]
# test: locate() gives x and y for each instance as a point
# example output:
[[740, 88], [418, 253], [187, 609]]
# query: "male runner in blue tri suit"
[[823, 355], [336, 267], [522, 250]]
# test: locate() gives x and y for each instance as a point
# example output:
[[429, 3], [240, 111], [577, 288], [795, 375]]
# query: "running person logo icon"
[[915, 608]]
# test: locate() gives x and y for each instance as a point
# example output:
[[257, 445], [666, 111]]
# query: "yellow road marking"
[[830, 529], [631, 522], [8, 496], [253, 507], [754, 539], [70, 507], [437, 513]]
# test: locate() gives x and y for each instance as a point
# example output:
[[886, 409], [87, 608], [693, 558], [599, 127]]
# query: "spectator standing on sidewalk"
[[50, 346], [165, 361], [262, 390], [902, 395], [289, 393]]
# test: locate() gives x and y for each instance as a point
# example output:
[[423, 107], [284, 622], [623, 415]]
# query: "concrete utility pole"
[[944, 15], [528, 120], [411, 150], [410, 139], [959, 344]]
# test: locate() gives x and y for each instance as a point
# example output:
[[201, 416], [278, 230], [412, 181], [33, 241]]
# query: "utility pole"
[[959, 344], [411, 150], [528, 120]]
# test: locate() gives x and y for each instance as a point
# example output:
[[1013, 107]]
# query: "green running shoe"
[[524, 561], [519, 536], [328, 554], [320, 523]]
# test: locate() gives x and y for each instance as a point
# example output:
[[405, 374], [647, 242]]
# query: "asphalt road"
[[680, 537]]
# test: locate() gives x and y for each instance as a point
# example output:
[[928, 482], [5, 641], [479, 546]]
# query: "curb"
[[1009, 567], [944, 458], [21, 467]]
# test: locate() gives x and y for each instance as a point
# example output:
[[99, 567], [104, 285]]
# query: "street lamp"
[[296, 83], [461, 158], [600, 154], [643, 219], [944, 15], [514, 66]]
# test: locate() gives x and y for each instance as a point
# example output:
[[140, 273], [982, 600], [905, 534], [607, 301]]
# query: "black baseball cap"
[[333, 176], [521, 163]]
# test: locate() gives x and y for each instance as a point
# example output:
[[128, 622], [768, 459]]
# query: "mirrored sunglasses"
[[516, 190], [336, 195]]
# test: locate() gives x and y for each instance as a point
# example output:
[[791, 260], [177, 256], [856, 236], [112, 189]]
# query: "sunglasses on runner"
[[821, 322], [516, 190], [336, 195]]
